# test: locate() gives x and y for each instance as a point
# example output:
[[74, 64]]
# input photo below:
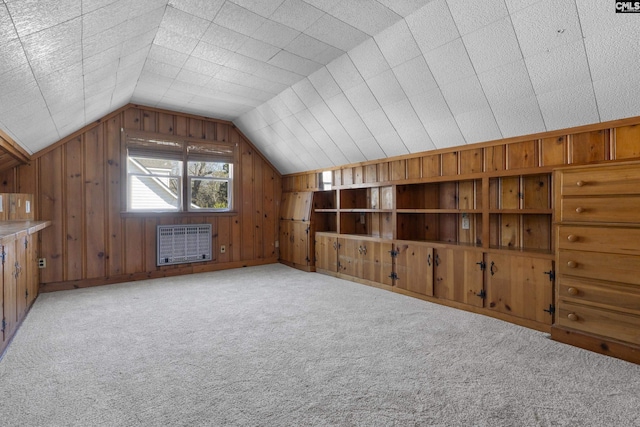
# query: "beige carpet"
[[272, 346]]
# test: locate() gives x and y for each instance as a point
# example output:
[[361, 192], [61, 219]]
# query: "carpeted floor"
[[272, 346]]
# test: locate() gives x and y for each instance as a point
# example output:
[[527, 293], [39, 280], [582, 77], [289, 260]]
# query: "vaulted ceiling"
[[319, 83]]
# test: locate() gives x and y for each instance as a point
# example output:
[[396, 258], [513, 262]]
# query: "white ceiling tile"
[[278, 75], [149, 21], [445, 133], [193, 77], [478, 126], [307, 93], [519, 117], [12, 55], [414, 76], [336, 33], [54, 39], [384, 132], [238, 19], [368, 59], [449, 62], [212, 53], [261, 7], [583, 109], [341, 108], [546, 25], [95, 62], [296, 14], [17, 77], [408, 125], [386, 89], [161, 69], [224, 37], [143, 7], [47, 64], [152, 80], [397, 44], [202, 66], [596, 17], [430, 106], [307, 120], [138, 42], [493, 46], [184, 23], [175, 41], [368, 146], [329, 146], [324, 5], [257, 49], [507, 82], [102, 19], [138, 57], [471, 16], [465, 95], [30, 16], [276, 34], [207, 9], [345, 72], [310, 48], [362, 99], [97, 77], [279, 107], [560, 68], [91, 5], [97, 43], [370, 17], [614, 53], [516, 5], [433, 26], [18, 96], [294, 63], [404, 8], [324, 83], [616, 100], [7, 30], [244, 63]]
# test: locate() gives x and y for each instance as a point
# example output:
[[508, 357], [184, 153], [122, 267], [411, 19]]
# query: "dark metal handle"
[[491, 269], [437, 260], [429, 260], [335, 245]]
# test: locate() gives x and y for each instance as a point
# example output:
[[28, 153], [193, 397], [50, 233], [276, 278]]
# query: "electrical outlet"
[[466, 223], [223, 249], [27, 206], [42, 262]]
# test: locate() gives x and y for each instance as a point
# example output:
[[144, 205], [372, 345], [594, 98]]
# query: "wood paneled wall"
[[616, 140], [92, 241]]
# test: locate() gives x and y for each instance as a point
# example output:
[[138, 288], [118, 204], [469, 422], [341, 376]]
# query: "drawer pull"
[[579, 209], [572, 238], [572, 316], [572, 264], [572, 291], [580, 183]]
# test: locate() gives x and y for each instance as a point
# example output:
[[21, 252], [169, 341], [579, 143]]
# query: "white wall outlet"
[[223, 249], [27, 206], [466, 224], [277, 244], [42, 262]]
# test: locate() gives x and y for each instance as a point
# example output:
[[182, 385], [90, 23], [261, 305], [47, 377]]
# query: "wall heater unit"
[[179, 244]]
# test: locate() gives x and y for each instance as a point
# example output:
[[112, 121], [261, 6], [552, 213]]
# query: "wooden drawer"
[[601, 209], [600, 239], [617, 297], [601, 266], [607, 323], [623, 179]]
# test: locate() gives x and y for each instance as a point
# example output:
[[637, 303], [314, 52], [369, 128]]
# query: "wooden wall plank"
[[589, 147], [149, 121], [494, 158], [150, 241], [258, 208], [196, 128], [471, 161], [94, 196], [165, 123], [247, 237], [522, 155], [134, 244], [431, 166], [132, 119], [627, 142], [51, 204], [114, 205], [554, 151], [414, 168], [74, 214], [269, 224], [449, 163]]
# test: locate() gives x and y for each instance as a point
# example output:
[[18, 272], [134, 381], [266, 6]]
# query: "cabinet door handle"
[[580, 183], [335, 245], [491, 269], [579, 209], [572, 238], [572, 316], [572, 264], [429, 260], [437, 259]]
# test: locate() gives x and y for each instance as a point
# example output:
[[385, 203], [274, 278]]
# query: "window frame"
[[184, 149]]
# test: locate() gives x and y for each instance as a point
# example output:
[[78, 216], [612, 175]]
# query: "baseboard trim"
[[177, 270], [597, 344]]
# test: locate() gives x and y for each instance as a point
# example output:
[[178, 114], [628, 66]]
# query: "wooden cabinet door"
[[294, 242], [376, 261], [459, 276], [327, 252], [20, 273], [518, 286], [10, 293], [31, 269], [348, 257], [414, 267]]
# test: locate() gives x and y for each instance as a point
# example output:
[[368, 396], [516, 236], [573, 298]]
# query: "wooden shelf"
[[326, 210], [521, 211], [358, 210], [438, 211]]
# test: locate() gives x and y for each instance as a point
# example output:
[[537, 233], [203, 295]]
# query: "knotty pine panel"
[[627, 140], [522, 155], [93, 240], [554, 151], [589, 147], [471, 161]]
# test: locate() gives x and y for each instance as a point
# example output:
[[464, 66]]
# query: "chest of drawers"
[[598, 258]]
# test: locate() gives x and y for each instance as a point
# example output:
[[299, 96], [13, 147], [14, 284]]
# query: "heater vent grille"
[[179, 244]]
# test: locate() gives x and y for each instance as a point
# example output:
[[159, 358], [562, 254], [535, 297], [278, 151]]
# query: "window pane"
[[209, 194], [210, 169], [154, 193], [155, 166]]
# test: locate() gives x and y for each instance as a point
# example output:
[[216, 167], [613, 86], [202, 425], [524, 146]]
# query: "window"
[[325, 179], [178, 175]]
